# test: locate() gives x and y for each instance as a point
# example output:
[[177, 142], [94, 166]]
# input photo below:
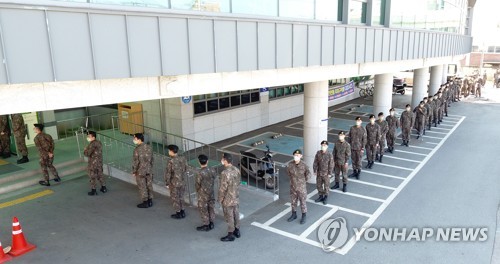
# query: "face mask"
[[324, 148], [372, 121], [381, 118], [88, 139], [341, 138], [135, 141], [296, 158], [421, 106], [392, 113], [222, 162], [358, 123], [408, 109]]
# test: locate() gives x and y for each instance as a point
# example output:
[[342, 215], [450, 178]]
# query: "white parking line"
[[318, 222], [372, 184], [435, 132], [384, 175], [425, 136], [278, 216], [432, 143], [398, 158], [440, 128], [393, 166], [446, 125], [359, 196], [340, 208], [289, 235], [409, 152]]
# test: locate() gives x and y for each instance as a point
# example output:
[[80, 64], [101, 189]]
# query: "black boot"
[[377, 157], [325, 199], [353, 174], [418, 136], [92, 192], [303, 219], [143, 205], [344, 188], [183, 214], [211, 225], [370, 165], [402, 144], [358, 173], [391, 149], [44, 183], [319, 199], [380, 158], [237, 233], [177, 215], [24, 159], [228, 238], [57, 178], [150, 202], [205, 228], [104, 189], [292, 217], [336, 186]]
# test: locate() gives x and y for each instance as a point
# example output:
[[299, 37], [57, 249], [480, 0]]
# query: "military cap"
[[297, 151], [341, 133], [324, 142], [228, 157], [39, 126]]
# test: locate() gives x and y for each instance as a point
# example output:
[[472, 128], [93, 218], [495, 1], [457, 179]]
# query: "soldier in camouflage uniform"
[[384, 128], [45, 145], [4, 137], [406, 121], [299, 174], [393, 124], [229, 197], [205, 179], [94, 166], [428, 108], [357, 140], [446, 100], [420, 118], [322, 168], [441, 107], [174, 179], [142, 170], [435, 110], [372, 140], [341, 156], [19, 129]]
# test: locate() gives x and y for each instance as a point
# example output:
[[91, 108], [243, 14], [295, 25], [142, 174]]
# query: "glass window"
[[272, 93], [200, 107], [224, 103], [497, 49], [213, 105], [255, 97], [279, 92], [202, 5], [198, 97], [245, 98], [329, 10], [378, 16], [255, 7], [286, 90], [235, 100], [357, 12], [296, 8]]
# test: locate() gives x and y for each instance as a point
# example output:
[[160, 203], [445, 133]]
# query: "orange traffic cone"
[[19, 243], [3, 257]]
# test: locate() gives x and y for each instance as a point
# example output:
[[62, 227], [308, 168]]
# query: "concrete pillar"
[[435, 81], [382, 95], [445, 73], [419, 85], [315, 120]]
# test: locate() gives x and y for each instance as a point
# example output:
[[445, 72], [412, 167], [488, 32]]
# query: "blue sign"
[[265, 89], [186, 99]]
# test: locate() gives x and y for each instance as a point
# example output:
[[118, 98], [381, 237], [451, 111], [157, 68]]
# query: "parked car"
[[398, 85]]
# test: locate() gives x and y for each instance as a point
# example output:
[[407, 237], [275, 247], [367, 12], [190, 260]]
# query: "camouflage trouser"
[[298, 196], [420, 126], [440, 114], [177, 195], [21, 145], [207, 211], [340, 169], [145, 184], [429, 120], [4, 144], [232, 217], [405, 133], [390, 137], [46, 165], [322, 184], [478, 92], [95, 174], [371, 150], [356, 157], [436, 117], [381, 145], [446, 107]]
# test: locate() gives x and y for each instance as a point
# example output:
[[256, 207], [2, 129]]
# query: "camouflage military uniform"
[[45, 145], [393, 124], [341, 156], [205, 189], [174, 178], [406, 121], [19, 134], [421, 117], [435, 111], [372, 139], [446, 99], [441, 107], [299, 174], [384, 128], [142, 168], [428, 109], [357, 140], [323, 167], [94, 167], [4, 136], [229, 196]]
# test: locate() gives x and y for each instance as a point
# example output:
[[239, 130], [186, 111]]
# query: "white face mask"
[[341, 138], [408, 109], [89, 140], [324, 148], [358, 123], [135, 141], [296, 158], [372, 121], [392, 113], [222, 162], [381, 118]]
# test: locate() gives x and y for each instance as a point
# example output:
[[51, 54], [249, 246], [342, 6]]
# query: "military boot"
[[211, 225], [358, 172], [183, 214], [292, 217], [344, 188], [104, 189], [380, 158], [303, 219], [57, 178], [92, 192], [336, 186], [177, 215], [377, 157], [205, 228], [44, 183], [370, 165], [325, 199], [228, 238], [237, 233], [143, 205], [150, 202], [319, 199], [24, 159]]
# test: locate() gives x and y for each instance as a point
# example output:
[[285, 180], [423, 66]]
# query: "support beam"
[[382, 95], [445, 73], [419, 85], [435, 81]]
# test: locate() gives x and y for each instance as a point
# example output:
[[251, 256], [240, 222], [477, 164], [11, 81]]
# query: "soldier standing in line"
[[441, 107], [229, 197], [174, 179], [205, 179], [4, 137], [384, 128], [299, 174], [372, 140], [45, 145], [393, 124], [142, 170], [94, 166], [428, 109], [341, 155], [420, 117], [357, 140], [322, 168], [20, 133], [446, 99], [479, 85], [435, 110], [406, 121]]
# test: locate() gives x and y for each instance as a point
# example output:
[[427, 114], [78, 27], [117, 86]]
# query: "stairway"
[[25, 178]]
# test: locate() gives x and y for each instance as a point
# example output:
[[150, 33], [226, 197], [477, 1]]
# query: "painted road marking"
[[359, 196], [383, 174], [435, 132], [280, 215], [392, 166], [340, 208], [26, 198], [398, 158], [409, 152], [373, 184], [318, 222]]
